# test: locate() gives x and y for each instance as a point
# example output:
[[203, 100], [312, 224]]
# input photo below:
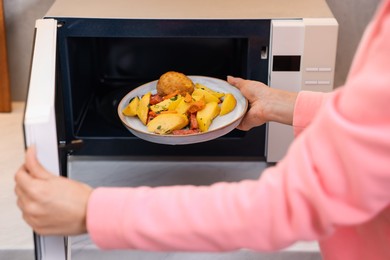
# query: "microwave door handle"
[[40, 123]]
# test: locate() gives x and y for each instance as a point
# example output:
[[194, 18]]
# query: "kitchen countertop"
[[16, 240]]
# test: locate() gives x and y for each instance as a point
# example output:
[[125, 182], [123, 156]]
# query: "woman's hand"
[[51, 205], [265, 104]]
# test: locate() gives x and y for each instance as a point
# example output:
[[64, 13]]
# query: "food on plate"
[[143, 108], [167, 123], [199, 94], [214, 93], [173, 81], [161, 106], [228, 104], [206, 115], [176, 101], [180, 113], [184, 106], [132, 108]]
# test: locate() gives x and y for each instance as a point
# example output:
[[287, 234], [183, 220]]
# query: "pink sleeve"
[[306, 107], [335, 173]]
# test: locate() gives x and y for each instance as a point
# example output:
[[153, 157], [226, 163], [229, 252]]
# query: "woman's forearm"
[[279, 106]]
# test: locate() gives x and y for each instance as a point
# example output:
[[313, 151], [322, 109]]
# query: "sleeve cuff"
[[306, 107]]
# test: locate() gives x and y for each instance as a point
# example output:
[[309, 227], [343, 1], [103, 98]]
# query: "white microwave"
[[88, 54]]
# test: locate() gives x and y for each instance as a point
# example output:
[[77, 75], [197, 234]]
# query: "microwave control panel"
[[302, 57]]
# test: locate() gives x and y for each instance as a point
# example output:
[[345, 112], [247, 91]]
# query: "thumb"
[[235, 81], [33, 166]]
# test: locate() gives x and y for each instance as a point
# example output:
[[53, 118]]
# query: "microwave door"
[[39, 121]]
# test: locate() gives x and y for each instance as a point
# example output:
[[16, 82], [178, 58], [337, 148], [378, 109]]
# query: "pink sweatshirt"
[[332, 186]]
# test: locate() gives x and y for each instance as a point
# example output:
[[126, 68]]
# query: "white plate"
[[220, 126]]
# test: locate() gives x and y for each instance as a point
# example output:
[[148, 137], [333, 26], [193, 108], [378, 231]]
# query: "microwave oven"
[[87, 55]]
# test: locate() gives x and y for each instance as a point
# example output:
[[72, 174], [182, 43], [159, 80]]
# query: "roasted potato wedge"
[[214, 93], [173, 105], [143, 108], [228, 104], [131, 108], [166, 123], [161, 106], [183, 106], [208, 97], [205, 116]]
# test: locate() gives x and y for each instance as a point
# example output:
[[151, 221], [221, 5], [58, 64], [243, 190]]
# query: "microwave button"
[[311, 82], [323, 82], [325, 69], [311, 69]]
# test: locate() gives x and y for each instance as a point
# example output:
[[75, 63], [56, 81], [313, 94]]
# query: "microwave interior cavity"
[[102, 60]]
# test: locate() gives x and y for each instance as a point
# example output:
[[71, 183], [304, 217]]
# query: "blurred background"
[[20, 16]]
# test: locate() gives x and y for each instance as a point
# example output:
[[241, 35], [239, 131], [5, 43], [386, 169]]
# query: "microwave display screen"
[[286, 63]]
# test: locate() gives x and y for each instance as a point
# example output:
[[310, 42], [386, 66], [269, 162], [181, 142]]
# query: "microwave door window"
[[40, 122]]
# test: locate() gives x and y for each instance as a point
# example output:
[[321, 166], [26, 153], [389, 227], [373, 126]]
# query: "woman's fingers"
[[237, 82], [50, 204], [255, 92], [34, 167], [23, 181]]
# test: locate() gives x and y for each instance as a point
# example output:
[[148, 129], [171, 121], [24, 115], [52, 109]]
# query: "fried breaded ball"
[[172, 81]]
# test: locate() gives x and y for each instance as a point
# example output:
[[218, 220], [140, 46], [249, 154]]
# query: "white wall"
[[353, 16], [20, 15]]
